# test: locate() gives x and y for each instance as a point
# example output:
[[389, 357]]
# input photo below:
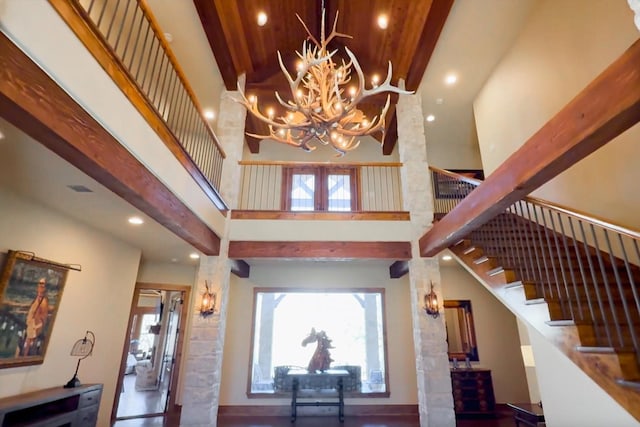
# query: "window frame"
[[385, 351], [321, 196]]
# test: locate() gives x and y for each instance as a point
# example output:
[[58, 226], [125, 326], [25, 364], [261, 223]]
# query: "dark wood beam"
[[320, 250], [398, 269], [603, 110], [34, 103], [391, 134], [431, 32], [240, 268], [212, 26]]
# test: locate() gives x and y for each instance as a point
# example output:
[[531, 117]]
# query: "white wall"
[[496, 333], [538, 77], [570, 398], [96, 299], [321, 275]]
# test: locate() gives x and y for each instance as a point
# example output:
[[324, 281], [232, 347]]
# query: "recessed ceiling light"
[[383, 21], [447, 257], [194, 256], [262, 19], [431, 118], [450, 79], [136, 220], [209, 114]]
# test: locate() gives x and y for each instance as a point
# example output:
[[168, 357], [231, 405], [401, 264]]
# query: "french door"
[[320, 188]]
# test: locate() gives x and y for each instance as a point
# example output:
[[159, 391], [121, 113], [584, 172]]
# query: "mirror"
[[461, 335]]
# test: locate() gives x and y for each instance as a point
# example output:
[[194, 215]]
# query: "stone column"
[[435, 401], [201, 392]]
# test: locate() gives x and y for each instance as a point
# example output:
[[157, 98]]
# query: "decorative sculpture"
[[321, 359]]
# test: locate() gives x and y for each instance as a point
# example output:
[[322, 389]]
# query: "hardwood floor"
[[502, 420]]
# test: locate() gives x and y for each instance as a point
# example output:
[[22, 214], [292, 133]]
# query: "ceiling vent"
[[80, 189]]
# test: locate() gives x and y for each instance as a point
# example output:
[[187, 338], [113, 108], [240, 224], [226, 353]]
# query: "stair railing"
[[586, 269], [125, 38]]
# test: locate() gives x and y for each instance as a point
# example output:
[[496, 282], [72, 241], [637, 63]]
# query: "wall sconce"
[[431, 303], [208, 303]]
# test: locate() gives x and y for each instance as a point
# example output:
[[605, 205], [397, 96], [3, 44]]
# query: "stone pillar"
[[435, 400], [201, 392]]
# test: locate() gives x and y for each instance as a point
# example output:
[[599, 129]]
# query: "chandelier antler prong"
[[320, 109]]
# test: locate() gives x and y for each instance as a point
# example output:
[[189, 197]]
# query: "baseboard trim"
[[285, 410]]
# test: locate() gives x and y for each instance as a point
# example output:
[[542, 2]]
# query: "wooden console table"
[[330, 379], [57, 406], [529, 414]]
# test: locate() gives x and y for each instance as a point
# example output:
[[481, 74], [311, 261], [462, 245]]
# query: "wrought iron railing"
[[378, 186], [129, 32], [586, 269]]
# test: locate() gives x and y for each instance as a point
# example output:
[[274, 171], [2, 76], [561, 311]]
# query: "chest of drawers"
[[54, 407], [473, 392]]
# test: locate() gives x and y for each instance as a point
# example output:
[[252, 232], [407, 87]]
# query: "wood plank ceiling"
[[241, 46]]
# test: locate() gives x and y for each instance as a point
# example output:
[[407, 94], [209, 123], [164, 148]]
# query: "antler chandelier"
[[321, 108]]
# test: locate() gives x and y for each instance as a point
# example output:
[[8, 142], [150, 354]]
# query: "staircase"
[[573, 278]]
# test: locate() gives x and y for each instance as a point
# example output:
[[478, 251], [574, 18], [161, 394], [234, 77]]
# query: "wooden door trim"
[[175, 370]]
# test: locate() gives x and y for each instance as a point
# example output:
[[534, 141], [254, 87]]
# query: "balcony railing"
[[124, 34], [263, 188], [587, 270]]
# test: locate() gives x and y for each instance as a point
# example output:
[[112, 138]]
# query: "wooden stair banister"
[[579, 129]]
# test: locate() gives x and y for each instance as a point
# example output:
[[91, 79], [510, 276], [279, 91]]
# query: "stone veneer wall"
[[201, 393], [435, 399]]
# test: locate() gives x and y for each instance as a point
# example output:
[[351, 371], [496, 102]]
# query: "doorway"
[[151, 354]]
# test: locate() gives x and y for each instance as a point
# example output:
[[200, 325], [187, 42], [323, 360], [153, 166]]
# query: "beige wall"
[[96, 299], [569, 397], [496, 333], [369, 150], [164, 273], [537, 78], [321, 275]]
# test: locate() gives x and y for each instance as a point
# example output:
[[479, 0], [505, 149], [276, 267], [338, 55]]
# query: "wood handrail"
[[556, 207], [298, 163], [592, 219], [580, 128], [455, 175], [153, 23]]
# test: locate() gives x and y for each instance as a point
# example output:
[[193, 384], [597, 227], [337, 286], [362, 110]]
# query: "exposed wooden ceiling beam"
[[34, 103], [213, 29], [398, 269], [603, 110], [240, 268], [391, 134], [320, 250], [430, 33]]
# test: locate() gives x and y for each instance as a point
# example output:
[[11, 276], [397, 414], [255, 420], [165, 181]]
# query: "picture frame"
[[30, 294]]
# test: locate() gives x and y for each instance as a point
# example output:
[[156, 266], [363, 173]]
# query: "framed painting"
[[30, 293]]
